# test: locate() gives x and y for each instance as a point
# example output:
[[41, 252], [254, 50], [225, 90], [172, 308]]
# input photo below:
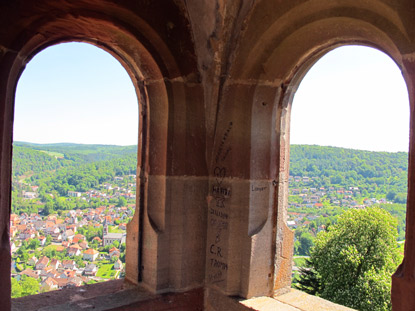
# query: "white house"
[[118, 265], [32, 261], [90, 254], [74, 251], [42, 263], [90, 270], [74, 194]]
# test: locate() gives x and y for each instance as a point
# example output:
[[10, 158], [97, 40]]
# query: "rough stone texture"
[[112, 295], [294, 300], [216, 301], [72, 295], [304, 302], [119, 296], [267, 304], [215, 81]]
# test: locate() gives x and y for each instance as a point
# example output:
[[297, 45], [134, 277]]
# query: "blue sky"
[[353, 97], [76, 92]]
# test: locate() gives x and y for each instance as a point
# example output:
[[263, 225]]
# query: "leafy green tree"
[[122, 202], [16, 288], [122, 247], [33, 244], [49, 252], [306, 242], [26, 286], [116, 244], [122, 257], [49, 208], [309, 280], [355, 259], [391, 195], [94, 244], [79, 261], [336, 179], [48, 240], [400, 198]]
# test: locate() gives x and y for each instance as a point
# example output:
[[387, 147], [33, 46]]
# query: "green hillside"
[[81, 152], [326, 181], [56, 169], [375, 173]]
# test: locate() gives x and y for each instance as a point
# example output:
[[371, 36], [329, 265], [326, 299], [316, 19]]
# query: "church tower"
[[105, 229]]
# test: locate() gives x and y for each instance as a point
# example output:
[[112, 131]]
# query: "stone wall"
[[215, 81]]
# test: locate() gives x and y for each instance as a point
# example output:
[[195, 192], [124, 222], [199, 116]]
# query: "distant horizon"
[[339, 147], [70, 143], [353, 97], [99, 144], [76, 92]]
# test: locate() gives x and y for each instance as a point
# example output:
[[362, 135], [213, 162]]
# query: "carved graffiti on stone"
[[222, 144], [219, 215]]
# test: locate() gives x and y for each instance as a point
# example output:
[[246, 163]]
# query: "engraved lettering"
[[218, 264], [219, 214], [254, 188], [216, 250], [221, 191]]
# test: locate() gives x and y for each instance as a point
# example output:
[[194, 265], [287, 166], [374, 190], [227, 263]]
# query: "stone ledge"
[[67, 296], [121, 296], [112, 295], [294, 300]]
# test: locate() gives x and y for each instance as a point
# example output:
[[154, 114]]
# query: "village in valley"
[[71, 205], [315, 204], [72, 247], [306, 199], [313, 207]]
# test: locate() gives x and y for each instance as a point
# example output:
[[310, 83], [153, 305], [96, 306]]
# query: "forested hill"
[[78, 152], [34, 158], [76, 167], [28, 161], [375, 173]]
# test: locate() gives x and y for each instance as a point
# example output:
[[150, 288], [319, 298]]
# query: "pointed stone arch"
[[160, 61]]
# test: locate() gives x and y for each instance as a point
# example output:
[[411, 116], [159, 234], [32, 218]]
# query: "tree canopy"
[[353, 261], [375, 173], [59, 168]]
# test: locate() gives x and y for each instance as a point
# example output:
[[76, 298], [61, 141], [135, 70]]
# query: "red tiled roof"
[[91, 251], [44, 260]]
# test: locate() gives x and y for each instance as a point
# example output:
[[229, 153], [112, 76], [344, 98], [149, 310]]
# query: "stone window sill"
[[293, 301], [119, 295], [111, 295]]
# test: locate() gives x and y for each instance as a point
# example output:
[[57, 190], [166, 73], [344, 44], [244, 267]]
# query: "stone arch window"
[[134, 274], [215, 81], [169, 94], [59, 110], [264, 76], [292, 87], [289, 92], [361, 115]]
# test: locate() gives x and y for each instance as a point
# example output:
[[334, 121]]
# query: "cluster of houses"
[[109, 190], [56, 274], [297, 219], [104, 191], [312, 197]]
